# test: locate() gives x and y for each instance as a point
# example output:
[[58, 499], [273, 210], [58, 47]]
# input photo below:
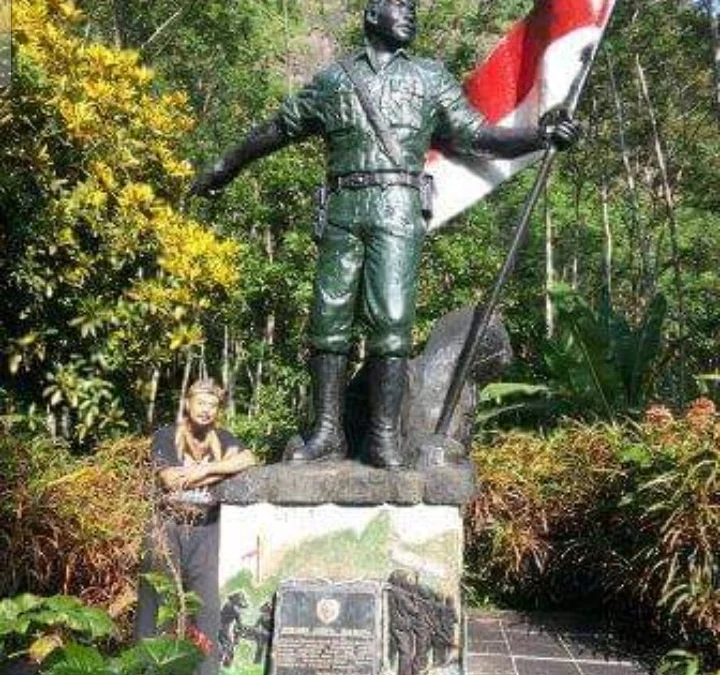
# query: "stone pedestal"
[[344, 523]]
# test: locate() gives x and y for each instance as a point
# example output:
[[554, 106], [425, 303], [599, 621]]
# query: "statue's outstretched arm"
[[463, 130], [508, 142], [262, 140]]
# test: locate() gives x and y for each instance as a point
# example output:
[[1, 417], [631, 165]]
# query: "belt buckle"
[[362, 180]]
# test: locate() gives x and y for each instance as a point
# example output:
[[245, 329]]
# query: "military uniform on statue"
[[379, 111]]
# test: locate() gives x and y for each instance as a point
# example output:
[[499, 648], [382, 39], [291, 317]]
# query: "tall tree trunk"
[[268, 339], [715, 43], [228, 380], [119, 23], [636, 231], [608, 257], [286, 35], [184, 385], [165, 25], [669, 203], [154, 381]]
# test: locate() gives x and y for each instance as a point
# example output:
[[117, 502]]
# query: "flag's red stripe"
[[501, 82]]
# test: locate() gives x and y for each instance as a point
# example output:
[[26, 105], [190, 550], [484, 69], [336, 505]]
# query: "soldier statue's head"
[[391, 21]]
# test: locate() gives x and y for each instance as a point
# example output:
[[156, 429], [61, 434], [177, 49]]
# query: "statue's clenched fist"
[[559, 129]]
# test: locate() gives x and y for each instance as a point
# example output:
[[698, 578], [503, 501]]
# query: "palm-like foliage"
[[598, 363]]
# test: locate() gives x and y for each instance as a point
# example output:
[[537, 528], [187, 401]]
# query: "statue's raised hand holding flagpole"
[[483, 312]]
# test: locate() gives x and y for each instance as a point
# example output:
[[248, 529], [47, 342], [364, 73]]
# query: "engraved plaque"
[[324, 628]]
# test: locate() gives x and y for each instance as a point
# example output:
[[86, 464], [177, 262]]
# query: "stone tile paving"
[[511, 643]]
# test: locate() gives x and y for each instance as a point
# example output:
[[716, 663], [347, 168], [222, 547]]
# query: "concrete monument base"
[[276, 534]]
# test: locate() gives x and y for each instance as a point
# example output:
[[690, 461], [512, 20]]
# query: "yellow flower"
[[104, 174], [98, 89], [69, 11], [136, 195]]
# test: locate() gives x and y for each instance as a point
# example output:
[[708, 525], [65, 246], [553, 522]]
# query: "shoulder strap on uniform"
[[388, 143]]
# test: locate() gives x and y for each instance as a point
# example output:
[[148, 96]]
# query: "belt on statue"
[[364, 179]]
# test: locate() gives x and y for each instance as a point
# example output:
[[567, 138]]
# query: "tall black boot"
[[387, 377], [327, 440]]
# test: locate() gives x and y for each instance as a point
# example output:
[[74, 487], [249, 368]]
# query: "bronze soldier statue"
[[379, 111]]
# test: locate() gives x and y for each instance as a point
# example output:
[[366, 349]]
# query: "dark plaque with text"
[[327, 628]]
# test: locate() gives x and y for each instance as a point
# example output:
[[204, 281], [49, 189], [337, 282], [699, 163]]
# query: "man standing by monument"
[[379, 111], [189, 457]]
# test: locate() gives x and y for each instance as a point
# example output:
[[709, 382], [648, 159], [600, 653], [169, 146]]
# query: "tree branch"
[[166, 24]]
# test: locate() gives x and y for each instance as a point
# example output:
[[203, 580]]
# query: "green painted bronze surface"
[[374, 236], [418, 98]]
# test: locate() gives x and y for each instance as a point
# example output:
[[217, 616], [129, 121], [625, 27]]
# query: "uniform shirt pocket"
[[340, 112], [403, 103]]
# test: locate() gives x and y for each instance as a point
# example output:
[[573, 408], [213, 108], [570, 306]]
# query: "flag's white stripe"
[[459, 183]]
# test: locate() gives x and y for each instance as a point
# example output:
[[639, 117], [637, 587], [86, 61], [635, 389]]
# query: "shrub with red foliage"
[[626, 515], [73, 525]]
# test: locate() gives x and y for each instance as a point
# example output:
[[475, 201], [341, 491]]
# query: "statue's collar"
[[369, 54]]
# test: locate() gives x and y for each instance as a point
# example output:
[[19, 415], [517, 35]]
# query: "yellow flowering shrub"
[[108, 276]]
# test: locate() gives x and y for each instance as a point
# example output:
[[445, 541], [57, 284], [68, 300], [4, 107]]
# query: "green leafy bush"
[[60, 634], [625, 516], [599, 364], [107, 280], [35, 626]]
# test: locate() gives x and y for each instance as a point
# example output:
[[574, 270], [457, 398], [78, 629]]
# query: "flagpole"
[[483, 314]]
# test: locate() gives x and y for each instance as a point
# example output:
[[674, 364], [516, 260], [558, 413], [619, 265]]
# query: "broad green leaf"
[[19, 604], [647, 343], [72, 613], [496, 391], [13, 613], [580, 358], [161, 656], [77, 659]]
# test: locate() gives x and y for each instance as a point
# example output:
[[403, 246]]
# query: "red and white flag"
[[542, 63]]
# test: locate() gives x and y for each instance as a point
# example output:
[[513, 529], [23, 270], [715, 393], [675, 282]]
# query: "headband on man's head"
[[373, 5], [206, 386]]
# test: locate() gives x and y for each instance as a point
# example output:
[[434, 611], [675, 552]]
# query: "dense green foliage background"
[[115, 288], [629, 214]]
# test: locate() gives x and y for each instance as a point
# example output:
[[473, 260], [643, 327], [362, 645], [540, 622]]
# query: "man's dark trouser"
[[193, 551]]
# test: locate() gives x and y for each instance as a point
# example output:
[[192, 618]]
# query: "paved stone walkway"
[[511, 643]]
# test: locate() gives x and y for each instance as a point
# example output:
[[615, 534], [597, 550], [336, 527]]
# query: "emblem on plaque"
[[327, 610]]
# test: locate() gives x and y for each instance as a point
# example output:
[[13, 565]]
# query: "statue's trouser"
[[371, 247], [192, 552]]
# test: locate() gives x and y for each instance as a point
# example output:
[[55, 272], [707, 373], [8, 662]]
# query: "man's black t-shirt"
[[165, 455]]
